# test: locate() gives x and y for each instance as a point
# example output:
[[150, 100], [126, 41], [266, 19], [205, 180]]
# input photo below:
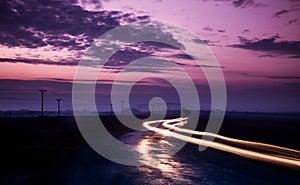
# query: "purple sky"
[[257, 44]]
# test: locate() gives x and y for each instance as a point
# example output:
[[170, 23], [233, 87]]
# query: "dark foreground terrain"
[[42, 149]]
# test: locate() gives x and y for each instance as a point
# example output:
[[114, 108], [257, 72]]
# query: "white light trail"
[[284, 157]]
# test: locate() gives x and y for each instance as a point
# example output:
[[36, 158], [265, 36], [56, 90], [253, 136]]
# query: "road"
[[187, 166]]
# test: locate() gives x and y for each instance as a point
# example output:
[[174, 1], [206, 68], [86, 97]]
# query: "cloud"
[[33, 85], [207, 42], [158, 46], [63, 24], [277, 14], [241, 3], [267, 55], [246, 3], [207, 28], [144, 17], [285, 11], [188, 57], [38, 61], [246, 31], [124, 57], [182, 56], [221, 31], [126, 54], [291, 21], [91, 5], [74, 25], [269, 76], [270, 45]]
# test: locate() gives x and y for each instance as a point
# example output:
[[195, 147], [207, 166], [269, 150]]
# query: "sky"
[[256, 43]]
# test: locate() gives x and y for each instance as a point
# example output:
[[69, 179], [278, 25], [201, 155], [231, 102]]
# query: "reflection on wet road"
[[159, 159]]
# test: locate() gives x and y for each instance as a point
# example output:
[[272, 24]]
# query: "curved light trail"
[[263, 146], [283, 156]]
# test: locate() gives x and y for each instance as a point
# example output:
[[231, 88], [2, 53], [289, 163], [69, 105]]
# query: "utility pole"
[[111, 109], [58, 106], [122, 107], [42, 91]]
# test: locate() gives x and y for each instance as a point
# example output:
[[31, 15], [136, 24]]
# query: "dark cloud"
[[270, 45], [207, 28], [70, 24], [33, 85], [246, 31], [124, 57], [292, 21], [241, 3], [208, 42], [56, 86], [125, 40], [284, 77], [99, 81], [75, 25], [189, 57], [126, 53], [24, 93], [277, 14], [246, 3], [182, 56], [200, 41], [267, 55], [62, 24], [285, 11], [150, 46], [221, 31], [90, 4], [38, 61], [144, 17], [269, 76]]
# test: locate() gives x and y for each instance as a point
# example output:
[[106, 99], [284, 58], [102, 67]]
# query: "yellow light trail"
[[257, 145], [289, 157]]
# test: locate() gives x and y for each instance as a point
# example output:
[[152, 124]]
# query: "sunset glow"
[[255, 42]]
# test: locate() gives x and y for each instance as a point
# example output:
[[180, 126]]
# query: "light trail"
[[283, 160], [257, 145]]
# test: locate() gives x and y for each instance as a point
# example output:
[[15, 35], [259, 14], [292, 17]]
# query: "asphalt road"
[[187, 166]]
